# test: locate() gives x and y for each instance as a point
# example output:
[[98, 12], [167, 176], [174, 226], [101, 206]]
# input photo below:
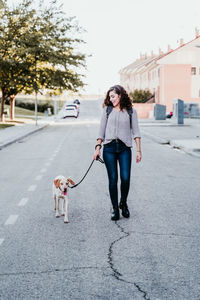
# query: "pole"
[[36, 109], [55, 102]]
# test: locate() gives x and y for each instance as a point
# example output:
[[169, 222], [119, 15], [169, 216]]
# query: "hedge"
[[31, 106]]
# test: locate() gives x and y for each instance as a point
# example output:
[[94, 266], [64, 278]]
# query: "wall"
[[175, 82], [143, 109]]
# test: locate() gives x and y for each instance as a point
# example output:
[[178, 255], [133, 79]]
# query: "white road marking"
[[23, 202], [43, 170], [1, 241], [39, 177], [32, 188], [11, 220]]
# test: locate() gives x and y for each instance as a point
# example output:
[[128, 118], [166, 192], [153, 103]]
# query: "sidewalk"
[[185, 137], [19, 131]]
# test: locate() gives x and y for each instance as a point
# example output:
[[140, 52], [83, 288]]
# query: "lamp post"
[[36, 109]]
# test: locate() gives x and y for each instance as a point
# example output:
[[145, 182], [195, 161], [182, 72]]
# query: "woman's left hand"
[[138, 156]]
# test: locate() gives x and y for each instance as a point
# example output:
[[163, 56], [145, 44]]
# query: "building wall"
[[175, 82], [187, 54], [143, 109], [178, 67], [195, 82], [169, 76]]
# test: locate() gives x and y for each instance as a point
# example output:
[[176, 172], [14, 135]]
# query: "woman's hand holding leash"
[[97, 153]]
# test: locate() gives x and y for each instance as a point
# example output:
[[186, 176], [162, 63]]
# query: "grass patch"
[[4, 125], [13, 122], [24, 112]]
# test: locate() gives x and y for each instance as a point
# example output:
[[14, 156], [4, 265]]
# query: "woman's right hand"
[[97, 154]]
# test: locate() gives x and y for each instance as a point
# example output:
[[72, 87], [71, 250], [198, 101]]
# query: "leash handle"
[[99, 159]]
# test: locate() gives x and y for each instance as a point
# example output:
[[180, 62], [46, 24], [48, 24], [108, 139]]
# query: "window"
[[193, 71]]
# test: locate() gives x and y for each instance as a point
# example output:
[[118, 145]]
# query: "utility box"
[[159, 112], [191, 110], [178, 110]]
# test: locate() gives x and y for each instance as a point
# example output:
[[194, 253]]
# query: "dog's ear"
[[71, 181], [57, 183]]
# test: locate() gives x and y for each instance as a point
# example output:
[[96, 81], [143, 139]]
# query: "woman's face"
[[114, 98]]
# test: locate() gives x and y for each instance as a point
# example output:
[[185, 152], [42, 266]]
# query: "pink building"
[[171, 75]]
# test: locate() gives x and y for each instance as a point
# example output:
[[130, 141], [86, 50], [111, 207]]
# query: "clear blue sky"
[[118, 30]]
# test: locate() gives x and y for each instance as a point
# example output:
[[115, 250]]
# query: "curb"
[[171, 143], [154, 138], [23, 136], [191, 152]]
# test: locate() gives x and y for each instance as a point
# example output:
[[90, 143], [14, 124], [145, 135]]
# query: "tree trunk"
[[12, 107], [2, 107]]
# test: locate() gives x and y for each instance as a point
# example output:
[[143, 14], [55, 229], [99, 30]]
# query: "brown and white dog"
[[60, 189]]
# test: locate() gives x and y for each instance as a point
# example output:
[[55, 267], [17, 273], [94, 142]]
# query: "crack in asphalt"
[[49, 271], [165, 234], [116, 273]]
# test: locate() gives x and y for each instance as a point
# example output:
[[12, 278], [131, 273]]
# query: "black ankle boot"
[[115, 214], [125, 211]]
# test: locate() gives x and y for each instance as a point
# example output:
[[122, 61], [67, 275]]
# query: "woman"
[[119, 124]]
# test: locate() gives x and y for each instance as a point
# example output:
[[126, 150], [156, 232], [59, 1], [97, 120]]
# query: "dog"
[[60, 189]]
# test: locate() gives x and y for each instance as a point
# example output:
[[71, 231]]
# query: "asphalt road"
[[153, 255]]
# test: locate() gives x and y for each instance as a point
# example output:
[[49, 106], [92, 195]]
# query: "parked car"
[[73, 105], [77, 101], [70, 110]]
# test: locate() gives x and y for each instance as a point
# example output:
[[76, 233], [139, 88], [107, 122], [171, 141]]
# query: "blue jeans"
[[114, 153]]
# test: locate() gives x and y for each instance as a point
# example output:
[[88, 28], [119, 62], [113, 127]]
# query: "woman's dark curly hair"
[[125, 101]]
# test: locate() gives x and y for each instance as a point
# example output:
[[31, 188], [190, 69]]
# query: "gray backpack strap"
[[108, 110], [130, 112]]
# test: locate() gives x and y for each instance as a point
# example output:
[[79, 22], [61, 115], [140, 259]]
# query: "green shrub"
[[42, 107], [140, 96]]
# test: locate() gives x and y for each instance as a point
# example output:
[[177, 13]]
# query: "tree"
[[1, 4], [52, 52], [12, 67], [38, 50], [141, 96]]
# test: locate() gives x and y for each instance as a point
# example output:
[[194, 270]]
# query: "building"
[[171, 75]]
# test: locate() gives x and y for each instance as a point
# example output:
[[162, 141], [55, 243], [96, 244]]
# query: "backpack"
[[129, 111]]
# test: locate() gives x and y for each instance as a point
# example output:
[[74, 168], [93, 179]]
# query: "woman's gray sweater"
[[117, 126]]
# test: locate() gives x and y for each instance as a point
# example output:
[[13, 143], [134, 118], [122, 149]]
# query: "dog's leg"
[[66, 219], [54, 196], [63, 207], [57, 207]]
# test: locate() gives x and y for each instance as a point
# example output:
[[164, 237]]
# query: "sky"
[[117, 31]]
